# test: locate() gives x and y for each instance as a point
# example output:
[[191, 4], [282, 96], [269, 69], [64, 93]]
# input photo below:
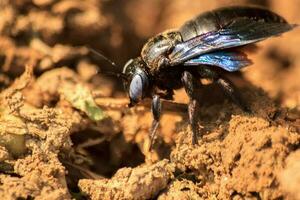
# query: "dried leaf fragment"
[[81, 98]]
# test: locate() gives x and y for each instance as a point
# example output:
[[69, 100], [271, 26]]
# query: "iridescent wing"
[[227, 60], [241, 31]]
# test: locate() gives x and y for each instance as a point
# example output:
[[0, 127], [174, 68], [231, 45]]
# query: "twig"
[[121, 103]]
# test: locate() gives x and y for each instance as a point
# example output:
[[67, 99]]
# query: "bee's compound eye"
[[136, 88]]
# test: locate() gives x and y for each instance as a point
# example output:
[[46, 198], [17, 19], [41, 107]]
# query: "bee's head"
[[134, 75], [138, 80]]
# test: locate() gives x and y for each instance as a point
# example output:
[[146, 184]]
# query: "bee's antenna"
[[102, 56], [119, 75]]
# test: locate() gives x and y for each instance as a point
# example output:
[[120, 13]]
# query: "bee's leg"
[[169, 94], [232, 92], [192, 86], [227, 87], [156, 111]]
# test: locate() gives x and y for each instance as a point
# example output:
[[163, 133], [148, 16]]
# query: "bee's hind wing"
[[227, 60]]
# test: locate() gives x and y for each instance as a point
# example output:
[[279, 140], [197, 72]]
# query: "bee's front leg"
[[156, 112], [192, 87]]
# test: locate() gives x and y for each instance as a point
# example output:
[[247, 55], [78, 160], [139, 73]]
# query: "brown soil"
[[51, 146]]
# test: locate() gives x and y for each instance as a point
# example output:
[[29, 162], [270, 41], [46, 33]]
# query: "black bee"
[[179, 58]]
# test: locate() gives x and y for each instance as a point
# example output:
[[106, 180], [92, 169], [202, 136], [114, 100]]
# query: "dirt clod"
[[142, 182]]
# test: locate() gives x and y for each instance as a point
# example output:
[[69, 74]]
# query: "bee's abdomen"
[[219, 18]]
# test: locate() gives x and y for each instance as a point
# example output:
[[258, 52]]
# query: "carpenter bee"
[[180, 58]]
